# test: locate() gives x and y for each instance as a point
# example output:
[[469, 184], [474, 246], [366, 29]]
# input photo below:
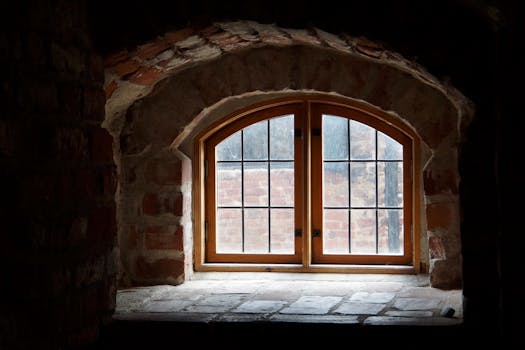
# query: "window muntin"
[[255, 189], [279, 234], [362, 189]]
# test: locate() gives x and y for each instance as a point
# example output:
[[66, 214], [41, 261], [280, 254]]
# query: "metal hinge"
[[298, 133], [298, 232], [316, 132]]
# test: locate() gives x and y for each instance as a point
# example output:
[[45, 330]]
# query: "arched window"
[[308, 183]]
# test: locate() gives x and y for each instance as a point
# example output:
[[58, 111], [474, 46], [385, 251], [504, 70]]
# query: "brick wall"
[[162, 93], [57, 181]]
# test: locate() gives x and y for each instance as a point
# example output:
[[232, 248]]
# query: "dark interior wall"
[[57, 180], [57, 177]]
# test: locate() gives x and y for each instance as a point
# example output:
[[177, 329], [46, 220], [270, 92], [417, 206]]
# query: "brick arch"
[[161, 93]]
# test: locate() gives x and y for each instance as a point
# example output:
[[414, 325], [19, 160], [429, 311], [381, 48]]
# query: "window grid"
[[268, 162], [350, 207]]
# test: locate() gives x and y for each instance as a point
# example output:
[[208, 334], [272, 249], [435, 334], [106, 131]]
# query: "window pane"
[[229, 184], [282, 231], [230, 148], [390, 227], [229, 231], [390, 184], [335, 231], [256, 230], [363, 232], [281, 138], [362, 141], [255, 141], [335, 137], [363, 184], [335, 184], [256, 184], [388, 148], [282, 184]]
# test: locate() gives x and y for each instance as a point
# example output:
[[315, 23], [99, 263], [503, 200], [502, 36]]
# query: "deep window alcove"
[[157, 114]]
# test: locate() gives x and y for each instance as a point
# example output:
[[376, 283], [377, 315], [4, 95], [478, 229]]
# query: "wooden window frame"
[[306, 257]]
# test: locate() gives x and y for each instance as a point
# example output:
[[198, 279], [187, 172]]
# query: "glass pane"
[[390, 227], [282, 231], [363, 184], [335, 137], [363, 231], [255, 140], [281, 138], [362, 141], [229, 231], [230, 148], [388, 148], [228, 184], [256, 230], [256, 184], [335, 231], [390, 184], [282, 184], [335, 185]]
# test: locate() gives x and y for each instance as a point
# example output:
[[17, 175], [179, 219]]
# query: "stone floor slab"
[[409, 313], [165, 305], [416, 303], [357, 308], [412, 321], [241, 318], [374, 297], [315, 319], [312, 305], [207, 309], [225, 300], [259, 306]]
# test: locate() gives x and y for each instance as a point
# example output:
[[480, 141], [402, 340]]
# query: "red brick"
[[125, 68], [439, 215], [132, 237], [101, 144], [110, 88], [150, 50], [369, 48], [158, 269], [210, 30], [101, 224], [440, 182], [94, 102], [177, 210], [116, 58], [436, 248], [163, 203], [159, 237], [163, 172], [71, 98], [147, 76], [178, 35], [108, 180], [303, 36], [224, 39]]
